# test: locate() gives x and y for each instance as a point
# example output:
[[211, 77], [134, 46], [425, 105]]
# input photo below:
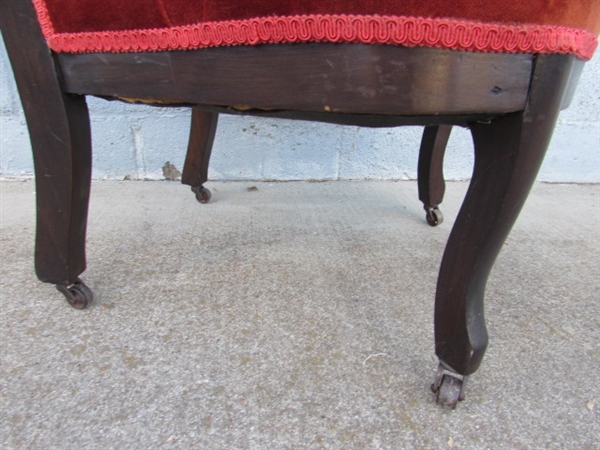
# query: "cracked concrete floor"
[[297, 315]]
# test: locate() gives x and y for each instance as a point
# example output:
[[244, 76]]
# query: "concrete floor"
[[297, 315]]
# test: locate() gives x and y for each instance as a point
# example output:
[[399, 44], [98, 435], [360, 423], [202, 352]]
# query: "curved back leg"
[[195, 168], [430, 177]]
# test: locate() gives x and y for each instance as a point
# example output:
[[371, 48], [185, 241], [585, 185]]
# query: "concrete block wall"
[[137, 141]]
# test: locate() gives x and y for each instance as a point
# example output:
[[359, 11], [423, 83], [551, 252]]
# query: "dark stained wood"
[[60, 137], [352, 78], [431, 154], [431, 165], [510, 102], [572, 83], [202, 136], [508, 155]]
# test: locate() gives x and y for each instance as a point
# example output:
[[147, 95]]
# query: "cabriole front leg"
[[508, 154], [59, 130], [63, 173]]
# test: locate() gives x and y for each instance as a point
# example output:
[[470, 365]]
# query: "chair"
[[502, 69]]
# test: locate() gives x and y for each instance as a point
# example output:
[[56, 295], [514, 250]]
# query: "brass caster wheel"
[[449, 388], [433, 215], [77, 294], [203, 195]]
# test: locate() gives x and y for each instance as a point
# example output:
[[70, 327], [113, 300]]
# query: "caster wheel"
[[203, 195], [434, 216], [449, 388], [78, 294], [449, 392]]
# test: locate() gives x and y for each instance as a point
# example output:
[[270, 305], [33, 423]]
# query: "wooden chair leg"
[[431, 172], [508, 154], [202, 136], [59, 130]]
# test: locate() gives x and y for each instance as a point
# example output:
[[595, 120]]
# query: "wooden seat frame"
[[510, 102]]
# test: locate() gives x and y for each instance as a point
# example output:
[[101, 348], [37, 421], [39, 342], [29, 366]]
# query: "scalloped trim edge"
[[365, 29]]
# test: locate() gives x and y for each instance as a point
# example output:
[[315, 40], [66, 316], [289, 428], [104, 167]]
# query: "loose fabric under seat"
[[533, 26]]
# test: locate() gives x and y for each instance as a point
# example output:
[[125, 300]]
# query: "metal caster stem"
[[449, 387]]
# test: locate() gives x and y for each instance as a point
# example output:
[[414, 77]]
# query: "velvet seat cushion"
[[530, 26]]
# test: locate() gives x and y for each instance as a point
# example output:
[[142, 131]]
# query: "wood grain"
[[348, 78]]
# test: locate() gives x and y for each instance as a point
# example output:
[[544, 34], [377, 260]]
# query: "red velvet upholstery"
[[553, 21]]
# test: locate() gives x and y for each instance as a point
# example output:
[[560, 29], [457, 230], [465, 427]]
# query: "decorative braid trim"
[[368, 29]]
